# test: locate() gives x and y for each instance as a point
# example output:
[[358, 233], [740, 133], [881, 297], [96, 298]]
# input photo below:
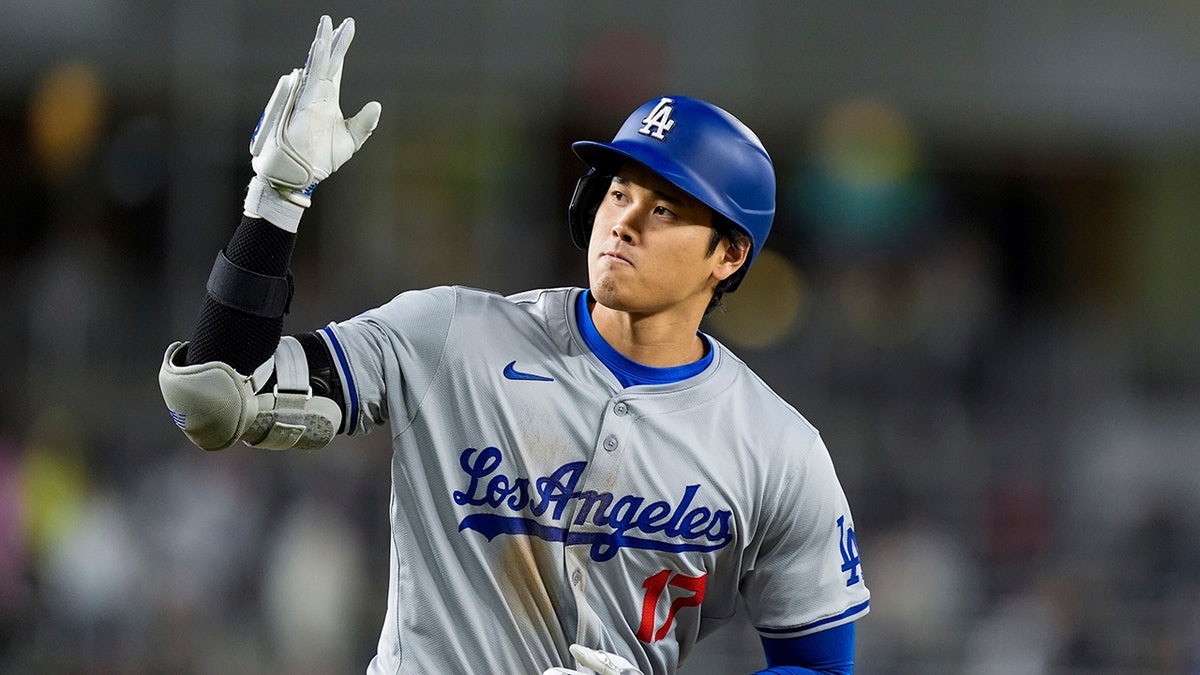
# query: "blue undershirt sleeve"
[[827, 652]]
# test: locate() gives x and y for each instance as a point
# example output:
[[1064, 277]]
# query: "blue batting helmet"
[[697, 147]]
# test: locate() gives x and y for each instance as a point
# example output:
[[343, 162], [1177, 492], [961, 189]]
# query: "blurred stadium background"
[[981, 287]]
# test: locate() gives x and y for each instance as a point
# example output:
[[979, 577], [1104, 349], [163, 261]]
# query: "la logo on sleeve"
[[848, 547]]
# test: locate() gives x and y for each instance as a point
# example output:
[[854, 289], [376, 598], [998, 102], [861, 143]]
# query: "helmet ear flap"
[[581, 212]]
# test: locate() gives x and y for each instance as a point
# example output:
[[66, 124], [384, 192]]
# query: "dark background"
[[981, 287]]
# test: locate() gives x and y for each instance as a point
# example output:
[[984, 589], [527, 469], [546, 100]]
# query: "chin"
[[605, 292], [601, 292]]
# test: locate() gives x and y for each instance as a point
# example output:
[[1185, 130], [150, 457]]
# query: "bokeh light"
[[67, 111], [862, 187], [766, 308]]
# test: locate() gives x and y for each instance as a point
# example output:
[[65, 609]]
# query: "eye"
[[617, 196], [663, 211]]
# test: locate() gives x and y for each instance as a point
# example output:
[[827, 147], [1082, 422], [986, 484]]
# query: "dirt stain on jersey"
[[532, 580]]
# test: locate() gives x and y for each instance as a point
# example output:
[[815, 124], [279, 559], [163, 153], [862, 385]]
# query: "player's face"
[[649, 247]]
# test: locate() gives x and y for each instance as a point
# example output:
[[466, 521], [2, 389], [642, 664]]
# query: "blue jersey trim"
[[627, 371], [352, 413], [857, 609], [829, 651]]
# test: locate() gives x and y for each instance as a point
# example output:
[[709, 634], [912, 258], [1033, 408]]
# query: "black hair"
[[724, 229]]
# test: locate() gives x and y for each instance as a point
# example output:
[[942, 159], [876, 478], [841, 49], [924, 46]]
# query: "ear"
[[731, 254]]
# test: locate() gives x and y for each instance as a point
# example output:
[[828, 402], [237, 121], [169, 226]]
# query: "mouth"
[[614, 257]]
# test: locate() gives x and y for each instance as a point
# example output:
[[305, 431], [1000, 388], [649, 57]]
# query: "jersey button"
[[621, 408], [610, 443], [576, 577]]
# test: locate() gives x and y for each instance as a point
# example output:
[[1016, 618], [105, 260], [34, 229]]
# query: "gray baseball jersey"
[[536, 502]]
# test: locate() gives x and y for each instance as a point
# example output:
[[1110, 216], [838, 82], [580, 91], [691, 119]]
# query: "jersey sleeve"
[[808, 573], [387, 357]]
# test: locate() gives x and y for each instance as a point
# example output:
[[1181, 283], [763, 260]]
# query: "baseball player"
[[582, 481]]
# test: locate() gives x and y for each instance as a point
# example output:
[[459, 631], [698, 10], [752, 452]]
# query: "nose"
[[622, 232], [627, 225]]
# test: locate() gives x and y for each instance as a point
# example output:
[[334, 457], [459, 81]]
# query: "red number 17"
[[655, 585]]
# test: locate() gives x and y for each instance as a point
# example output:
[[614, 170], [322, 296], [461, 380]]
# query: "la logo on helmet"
[[659, 121]]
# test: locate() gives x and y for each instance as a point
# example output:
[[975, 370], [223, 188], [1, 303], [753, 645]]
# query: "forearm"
[[239, 338], [239, 378]]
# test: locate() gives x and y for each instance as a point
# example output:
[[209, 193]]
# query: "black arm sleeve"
[[322, 376], [242, 340]]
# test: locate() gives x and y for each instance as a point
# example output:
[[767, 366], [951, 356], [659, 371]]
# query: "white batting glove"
[[302, 137], [601, 663]]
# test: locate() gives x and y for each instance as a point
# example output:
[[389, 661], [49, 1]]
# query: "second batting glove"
[[600, 662]]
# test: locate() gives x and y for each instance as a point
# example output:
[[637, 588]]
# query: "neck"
[[657, 340]]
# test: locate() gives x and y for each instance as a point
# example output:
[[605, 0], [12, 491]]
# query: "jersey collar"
[[627, 371]]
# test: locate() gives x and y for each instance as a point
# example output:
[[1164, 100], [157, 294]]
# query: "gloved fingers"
[[340, 43], [318, 51], [363, 123], [302, 136], [323, 71], [604, 663]]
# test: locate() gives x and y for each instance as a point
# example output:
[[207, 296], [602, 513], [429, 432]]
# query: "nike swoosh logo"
[[511, 372]]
